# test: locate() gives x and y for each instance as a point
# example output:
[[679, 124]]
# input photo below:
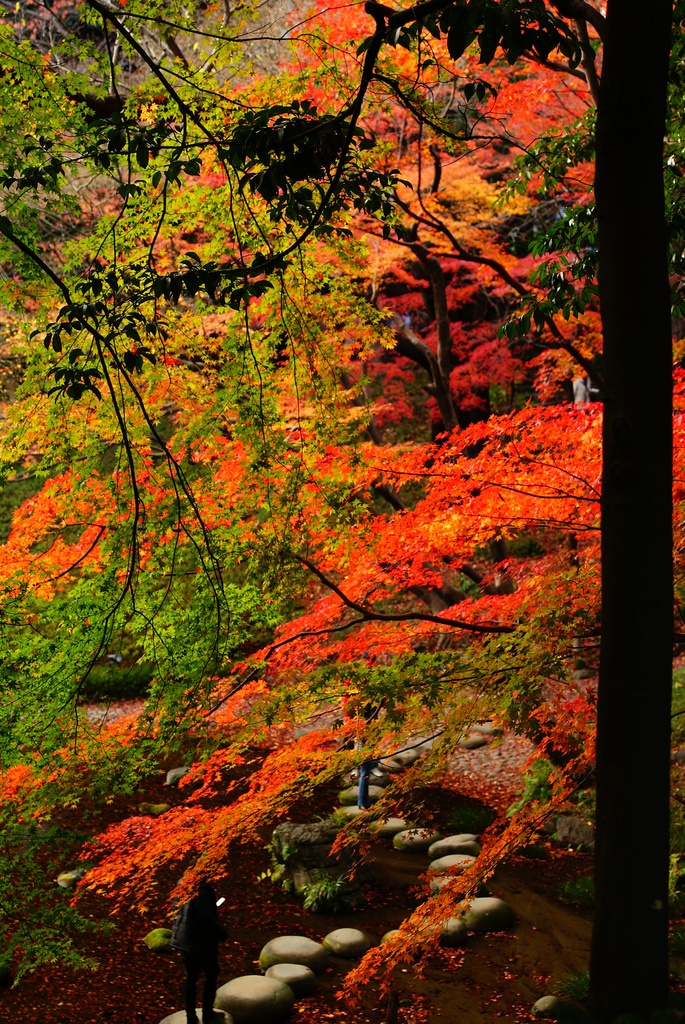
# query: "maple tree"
[[277, 409]]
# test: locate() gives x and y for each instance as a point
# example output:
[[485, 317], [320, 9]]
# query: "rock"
[[174, 774], [304, 852], [158, 940], [573, 831], [486, 729], [154, 809], [253, 999], [453, 932], [547, 1006], [389, 935], [678, 757], [393, 766], [583, 673], [70, 879], [473, 742], [415, 840], [406, 758], [465, 842], [488, 914], [440, 880], [391, 826], [300, 979], [379, 778], [348, 943], [180, 1017], [455, 863], [293, 949], [351, 795], [349, 810]]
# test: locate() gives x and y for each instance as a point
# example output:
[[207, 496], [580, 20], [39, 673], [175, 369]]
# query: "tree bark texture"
[[629, 959]]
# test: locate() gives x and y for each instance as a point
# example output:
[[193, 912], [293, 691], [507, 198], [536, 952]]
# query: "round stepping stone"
[[465, 842], [350, 810], [406, 758], [389, 935], [457, 862], [415, 840], [486, 729], [158, 940], [473, 742], [379, 778], [293, 949], [391, 826], [349, 943], [488, 914], [253, 999], [547, 1006], [180, 1017], [351, 795], [300, 979], [154, 809], [440, 880], [453, 932]]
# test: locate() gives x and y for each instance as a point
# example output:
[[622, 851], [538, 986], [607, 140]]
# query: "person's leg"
[[191, 966], [210, 965]]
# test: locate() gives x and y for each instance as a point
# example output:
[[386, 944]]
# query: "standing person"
[[197, 933]]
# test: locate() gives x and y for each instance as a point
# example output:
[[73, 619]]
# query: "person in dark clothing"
[[197, 933]]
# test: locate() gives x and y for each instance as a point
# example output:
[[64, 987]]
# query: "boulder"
[[174, 774], [455, 863], [473, 742], [154, 809], [293, 949], [180, 1017], [465, 842], [254, 999], [351, 795], [348, 943], [70, 879], [303, 853], [546, 1007], [453, 932], [391, 826], [573, 831], [406, 758], [158, 940], [678, 757], [300, 979], [488, 914], [415, 840], [486, 729]]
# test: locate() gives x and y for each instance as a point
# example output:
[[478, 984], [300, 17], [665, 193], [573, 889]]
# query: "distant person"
[[196, 933]]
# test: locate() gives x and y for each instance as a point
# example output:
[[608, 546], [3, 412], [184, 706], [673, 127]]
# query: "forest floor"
[[493, 975]]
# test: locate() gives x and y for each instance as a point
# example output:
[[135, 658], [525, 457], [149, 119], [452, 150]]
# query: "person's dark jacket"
[[197, 928]]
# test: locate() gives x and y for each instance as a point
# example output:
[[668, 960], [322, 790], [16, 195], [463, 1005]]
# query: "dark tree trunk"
[[629, 961]]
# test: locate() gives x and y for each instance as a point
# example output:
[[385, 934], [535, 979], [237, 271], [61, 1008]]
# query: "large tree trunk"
[[629, 961]]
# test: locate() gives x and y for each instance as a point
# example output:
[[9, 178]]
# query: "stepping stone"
[[547, 1007], [486, 729], [349, 810], [415, 840], [465, 842], [174, 774], [391, 826], [70, 879], [253, 999], [453, 932], [439, 881], [393, 766], [300, 979], [154, 809], [406, 758], [488, 914], [455, 862], [293, 949], [158, 940], [378, 778], [351, 795], [473, 742], [180, 1017], [348, 943], [389, 935]]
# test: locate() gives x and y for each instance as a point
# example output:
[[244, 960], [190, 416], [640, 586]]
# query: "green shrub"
[[115, 682], [536, 787], [473, 818], [575, 986], [327, 896], [580, 891], [676, 943]]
